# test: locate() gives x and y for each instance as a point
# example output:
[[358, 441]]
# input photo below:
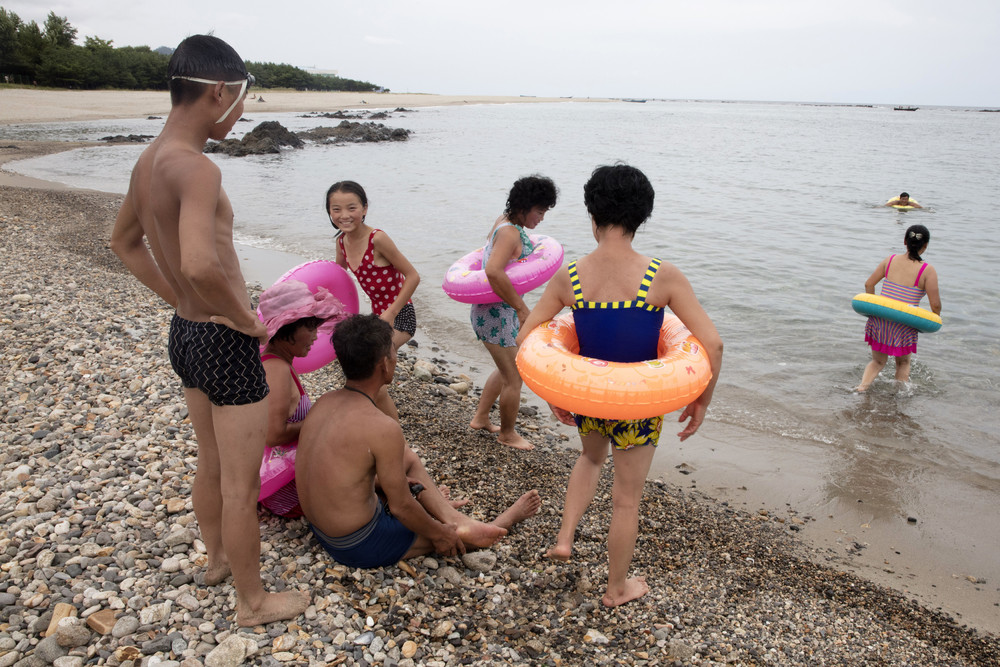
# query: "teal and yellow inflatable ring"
[[920, 319]]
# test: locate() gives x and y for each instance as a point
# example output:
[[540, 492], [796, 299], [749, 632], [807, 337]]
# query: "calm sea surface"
[[771, 210]]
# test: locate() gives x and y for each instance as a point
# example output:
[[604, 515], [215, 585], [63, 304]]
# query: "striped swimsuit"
[[892, 338], [285, 501]]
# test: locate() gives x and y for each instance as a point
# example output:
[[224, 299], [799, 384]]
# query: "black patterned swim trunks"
[[406, 320], [221, 362]]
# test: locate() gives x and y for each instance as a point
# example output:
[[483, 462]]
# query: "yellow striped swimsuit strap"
[[647, 281], [574, 281]]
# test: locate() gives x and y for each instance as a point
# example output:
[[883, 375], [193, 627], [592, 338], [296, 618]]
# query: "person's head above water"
[[200, 62], [916, 239], [618, 195], [362, 342], [527, 193], [904, 195]]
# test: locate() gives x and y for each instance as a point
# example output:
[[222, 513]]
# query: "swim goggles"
[[243, 83]]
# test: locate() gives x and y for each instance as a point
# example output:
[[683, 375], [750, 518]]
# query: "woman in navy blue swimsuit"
[[618, 298]]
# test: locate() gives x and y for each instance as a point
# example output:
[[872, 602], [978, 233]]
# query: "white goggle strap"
[[243, 88]]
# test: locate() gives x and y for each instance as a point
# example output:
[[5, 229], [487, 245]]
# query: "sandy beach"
[[100, 454], [25, 105]]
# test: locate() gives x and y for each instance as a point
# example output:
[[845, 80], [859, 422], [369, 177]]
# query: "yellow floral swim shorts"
[[624, 433]]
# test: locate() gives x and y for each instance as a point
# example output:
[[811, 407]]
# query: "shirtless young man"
[[346, 441], [176, 202]]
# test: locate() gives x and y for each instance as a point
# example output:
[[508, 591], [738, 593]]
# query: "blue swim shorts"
[[623, 433], [382, 541], [221, 362]]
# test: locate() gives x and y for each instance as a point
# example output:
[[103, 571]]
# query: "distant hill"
[[31, 56]]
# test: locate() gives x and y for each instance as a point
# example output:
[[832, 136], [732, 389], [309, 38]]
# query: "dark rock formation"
[[268, 137], [350, 132], [339, 115], [130, 139]]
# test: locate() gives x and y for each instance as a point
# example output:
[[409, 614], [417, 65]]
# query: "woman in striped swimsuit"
[[292, 314], [906, 278]]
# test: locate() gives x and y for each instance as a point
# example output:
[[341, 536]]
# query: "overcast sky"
[[846, 51]]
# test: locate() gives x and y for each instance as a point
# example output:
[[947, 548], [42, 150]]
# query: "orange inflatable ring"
[[550, 365]]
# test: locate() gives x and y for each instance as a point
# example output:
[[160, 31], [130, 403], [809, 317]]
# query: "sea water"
[[772, 211]]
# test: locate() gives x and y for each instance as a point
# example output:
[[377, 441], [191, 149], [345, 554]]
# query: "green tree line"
[[48, 55]]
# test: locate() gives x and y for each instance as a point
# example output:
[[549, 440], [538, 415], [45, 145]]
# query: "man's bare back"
[[334, 452]]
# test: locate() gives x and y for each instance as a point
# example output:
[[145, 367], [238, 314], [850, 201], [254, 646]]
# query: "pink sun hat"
[[291, 300]]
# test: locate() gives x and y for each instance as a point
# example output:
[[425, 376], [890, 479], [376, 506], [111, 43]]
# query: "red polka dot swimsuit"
[[380, 283]]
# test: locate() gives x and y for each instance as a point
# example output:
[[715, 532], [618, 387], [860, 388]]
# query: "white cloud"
[[381, 41]]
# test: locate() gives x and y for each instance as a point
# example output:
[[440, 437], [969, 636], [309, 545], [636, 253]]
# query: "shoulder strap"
[[295, 378], [574, 281], [497, 229], [916, 283], [647, 280], [302, 392], [888, 264]]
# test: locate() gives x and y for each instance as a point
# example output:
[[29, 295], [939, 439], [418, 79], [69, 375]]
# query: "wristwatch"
[[416, 488]]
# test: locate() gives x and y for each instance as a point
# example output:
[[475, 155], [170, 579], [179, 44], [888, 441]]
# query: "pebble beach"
[[102, 562]]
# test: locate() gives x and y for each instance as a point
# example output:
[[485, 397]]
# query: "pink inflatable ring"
[[277, 468], [322, 273], [466, 280]]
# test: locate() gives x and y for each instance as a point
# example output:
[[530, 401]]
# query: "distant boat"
[[903, 107], [635, 100]]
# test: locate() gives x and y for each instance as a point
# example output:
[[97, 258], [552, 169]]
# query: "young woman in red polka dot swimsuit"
[[383, 272]]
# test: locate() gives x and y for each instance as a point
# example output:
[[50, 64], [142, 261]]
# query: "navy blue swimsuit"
[[624, 332]]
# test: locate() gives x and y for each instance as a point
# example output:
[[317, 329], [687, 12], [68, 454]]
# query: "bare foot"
[[446, 494], [275, 607], [216, 574], [479, 425], [861, 388], [634, 588], [515, 441], [559, 553], [524, 507], [479, 535]]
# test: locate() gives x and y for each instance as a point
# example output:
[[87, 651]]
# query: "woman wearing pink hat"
[[292, 314]]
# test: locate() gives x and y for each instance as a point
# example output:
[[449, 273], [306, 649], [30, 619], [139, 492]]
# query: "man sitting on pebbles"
[[346, 441]]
